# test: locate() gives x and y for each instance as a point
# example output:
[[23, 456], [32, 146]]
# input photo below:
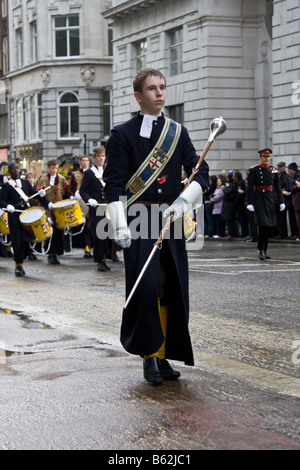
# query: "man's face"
[[84, 163], [14, 171], [153, 96], [53, 169], [281, 169], [265, 159], [291, 172], [99, 159]]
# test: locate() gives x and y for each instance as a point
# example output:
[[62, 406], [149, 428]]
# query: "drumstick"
[[16, 210], [36, 194]]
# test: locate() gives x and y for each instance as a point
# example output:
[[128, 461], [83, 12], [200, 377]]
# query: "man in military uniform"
[[82, 240], [264, 193], [60, 189]]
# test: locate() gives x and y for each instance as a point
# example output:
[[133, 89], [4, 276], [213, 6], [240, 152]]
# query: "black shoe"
[[167, 371], [19, 271], [152, 371], [52, 259], [267, 256], [32, 257], [261, 255], [102, 267], [87, 254]]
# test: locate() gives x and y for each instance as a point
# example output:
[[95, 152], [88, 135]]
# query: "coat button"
[[159, 191]]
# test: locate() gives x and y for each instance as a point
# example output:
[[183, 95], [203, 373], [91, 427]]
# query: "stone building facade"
[[59, 82], [218, 60]]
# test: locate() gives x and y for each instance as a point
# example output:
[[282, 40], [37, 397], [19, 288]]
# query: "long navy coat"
[[167, 275], [265, 202]]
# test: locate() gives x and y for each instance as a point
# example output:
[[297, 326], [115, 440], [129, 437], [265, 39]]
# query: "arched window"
[[68, 105]]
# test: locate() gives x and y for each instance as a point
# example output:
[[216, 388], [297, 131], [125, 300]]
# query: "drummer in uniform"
[[92, 192], [76, 179], [14, 197], [264, 193], [5, 250], [60, 189]]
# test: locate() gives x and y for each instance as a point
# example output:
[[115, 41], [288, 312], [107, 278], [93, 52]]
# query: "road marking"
[[259, 376]]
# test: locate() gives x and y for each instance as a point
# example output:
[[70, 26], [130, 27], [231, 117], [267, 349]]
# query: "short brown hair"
[[98, 150], [142, 75], [52, 162]]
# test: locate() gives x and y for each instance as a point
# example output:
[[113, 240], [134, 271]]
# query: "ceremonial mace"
[[217, 127]]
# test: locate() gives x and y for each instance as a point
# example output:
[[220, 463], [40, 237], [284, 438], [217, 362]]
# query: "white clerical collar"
[[146, 127], [52, 180]]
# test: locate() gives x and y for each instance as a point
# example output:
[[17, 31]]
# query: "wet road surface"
[[67, 384]]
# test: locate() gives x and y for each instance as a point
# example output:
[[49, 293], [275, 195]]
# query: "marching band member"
[[76, 179], [60, 189], [92, 192], [14, 196], [155, 323], [263, 188]]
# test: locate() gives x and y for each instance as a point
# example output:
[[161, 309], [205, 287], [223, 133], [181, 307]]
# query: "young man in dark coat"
[[155, 322], [92, 192], [264, 193]]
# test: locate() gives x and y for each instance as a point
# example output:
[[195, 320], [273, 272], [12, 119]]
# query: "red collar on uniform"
[[264, 166]]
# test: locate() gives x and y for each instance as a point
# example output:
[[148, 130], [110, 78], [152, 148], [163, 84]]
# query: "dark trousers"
[[263, 235]]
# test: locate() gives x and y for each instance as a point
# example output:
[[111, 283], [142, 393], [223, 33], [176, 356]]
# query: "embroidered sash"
[[98, 175], [154, 163], [19, 190]]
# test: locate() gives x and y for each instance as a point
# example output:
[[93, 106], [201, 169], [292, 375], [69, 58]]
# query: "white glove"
[[77, 195], [10, 208], [282, 207], [191, 196], [122, 234], [250, 207], [93, 202], [50, 206], [42, 192]]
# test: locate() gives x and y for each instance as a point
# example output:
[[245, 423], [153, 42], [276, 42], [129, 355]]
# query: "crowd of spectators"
[[225, 206]]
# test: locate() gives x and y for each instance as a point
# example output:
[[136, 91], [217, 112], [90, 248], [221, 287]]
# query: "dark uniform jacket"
[[8, 195], [91, 187], [264, 193], [141, 332]]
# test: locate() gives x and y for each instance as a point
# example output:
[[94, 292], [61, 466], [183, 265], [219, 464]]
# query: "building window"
[[29, 118], [4, 56], [66, 36], [176, 39], [68, 107], [19, 35], [110, 41], [34, 42], [107, 111], [21, 121], [140, 55], [4, 8], [176, 113], [35, 117]]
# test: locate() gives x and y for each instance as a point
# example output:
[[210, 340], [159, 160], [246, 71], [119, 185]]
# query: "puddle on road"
[[27, 322]]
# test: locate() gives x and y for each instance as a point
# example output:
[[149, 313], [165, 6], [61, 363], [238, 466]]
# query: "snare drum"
[[36, 224], [4, 227], [68, 213]]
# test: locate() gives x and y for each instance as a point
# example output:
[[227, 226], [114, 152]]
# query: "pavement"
[[65, 385]]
